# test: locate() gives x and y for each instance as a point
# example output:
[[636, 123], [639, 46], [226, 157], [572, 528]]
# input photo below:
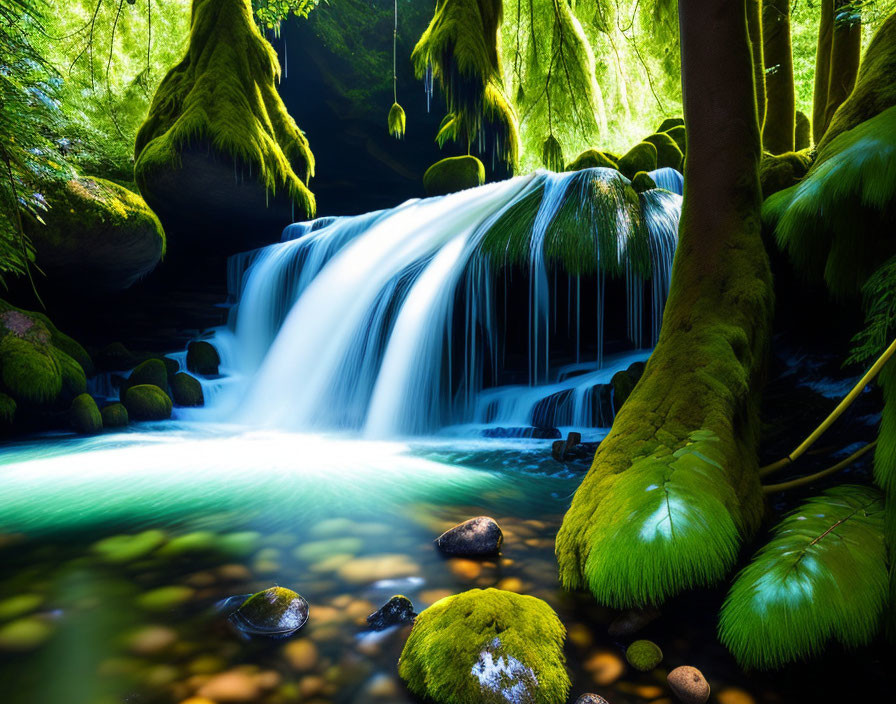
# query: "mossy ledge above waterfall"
[[222, 98]]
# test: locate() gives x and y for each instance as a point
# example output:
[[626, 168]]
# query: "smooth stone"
[[477, 536], [240, 543], [605, 668], [579, 635], [24, 634], [231, 686], [331, 563], [644, 655], [301, 655], [19, 605], [151, 640], [276, 612], [233, 573], [373, 568], [119, 549], [165, 598], [321, 549], [395, 612], [591, 699], [733, 695], [465, 569], [200, 541], [689, 685]]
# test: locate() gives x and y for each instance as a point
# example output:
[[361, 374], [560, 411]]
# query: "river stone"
[[591, 699], [395, 612], [689, 685], [276, 612], [478, 536], [644, 655], [631, 621]]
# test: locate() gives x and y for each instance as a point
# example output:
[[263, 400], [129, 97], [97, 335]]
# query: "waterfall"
[[408, 320]]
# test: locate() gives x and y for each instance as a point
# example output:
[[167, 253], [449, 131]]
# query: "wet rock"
[[147, 402], [591, 699], [115, 415], [276, 613], [631, 621], [689, 685], [644, 655], [202, 358], [605, 668], [478, 536], [301, 654], [84, 415], [563, 449], [186, 390], [232, 686], [395, 612], [151, 640], [533, 433], [453, 174]]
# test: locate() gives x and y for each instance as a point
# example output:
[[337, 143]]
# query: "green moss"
[[114, 415], [7, 409], [642, 182], [783, 171], [25, 634], [644, 655], [453, 174], [623, 385], [875, 89], [74, 381], [668, 153], [190, 544], [476, 646], [591, 159], [84, 415], [203, 358], [29, 372], [670, 123], [225, 92], [147, 402], [802, 136], [641, 157], [397, 121], [680, 135], [186, 390], [152, 371], [63, 342]]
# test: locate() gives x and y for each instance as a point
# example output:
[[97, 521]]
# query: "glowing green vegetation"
[[832, 223], [30, 373], [644, 655], [875, 89], [680, 135], [591, 159], [186, 390], [783, 171], [642, 182], [552, 154], [7, 409], [224, 93], [823, 574], [397, 121], [641, 157], [115, 415], [147, 402], [479, 646], [453, 174], [668, 154], [84, 415], [152, 371]]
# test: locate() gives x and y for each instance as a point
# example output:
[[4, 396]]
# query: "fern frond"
[[822, 577], [397, 120], [552, 154], [879, 302]]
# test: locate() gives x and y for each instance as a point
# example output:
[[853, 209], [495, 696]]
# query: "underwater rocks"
[[456, 173], [591, 699], [644, 655], [84, 415], [395, 612], [477, 536], [98, 237], [275, 613], [689, 685], [202, 358], [486, 646], [147, 402]]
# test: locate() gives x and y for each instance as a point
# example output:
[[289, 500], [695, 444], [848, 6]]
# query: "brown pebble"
[[301, 654], [232, 686], [605, 667], [689, 685], [465, 569], [579, 635], [732, 695]]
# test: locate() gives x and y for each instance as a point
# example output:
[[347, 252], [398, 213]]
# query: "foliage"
[[270, 13], [224, 91], [831, 222], [481, 645], [821, 577], [879, 302], [397, 121]]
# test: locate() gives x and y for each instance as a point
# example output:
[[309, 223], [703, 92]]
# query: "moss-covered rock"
[[84, 415], [641, 157], [29, 372], [783, 171], [456, 173], [152, 371], [680, 135], [670, 123], [276, 612], [186, 390], [97, 237], [591, 159], [644, 655], [115, 415], [215, 115], [802, 135], [668, 153], [203, 358], [642, 182], [486, 647], [147, 402]]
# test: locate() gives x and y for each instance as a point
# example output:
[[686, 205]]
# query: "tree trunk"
[[754, 28], [674, 487], [780, 118], [846, 51], [822, 69]]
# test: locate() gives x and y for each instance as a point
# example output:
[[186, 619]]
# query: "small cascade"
[[492, 305]]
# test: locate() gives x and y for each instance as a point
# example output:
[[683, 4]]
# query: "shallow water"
[[345, 523]]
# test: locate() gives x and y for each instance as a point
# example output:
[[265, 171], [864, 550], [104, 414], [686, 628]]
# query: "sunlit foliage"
[[270, 13]]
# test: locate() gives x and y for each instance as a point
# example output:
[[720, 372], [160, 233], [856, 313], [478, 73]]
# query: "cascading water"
[[405, 321]]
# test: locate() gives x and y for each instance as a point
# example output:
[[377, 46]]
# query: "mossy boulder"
[[97, 237], [115, 415], [680, 135], [276, 613], [186, 390], [203, 358], [668, 153], [670, 123], [644, 655], [151, 371], [783, 171], [147, 402], [456, 173], [641, 157], [591, 159], [486, 647], [219, 158], [84, 415], [642, 182]]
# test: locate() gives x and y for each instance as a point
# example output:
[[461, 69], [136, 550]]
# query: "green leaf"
[[822, 577]]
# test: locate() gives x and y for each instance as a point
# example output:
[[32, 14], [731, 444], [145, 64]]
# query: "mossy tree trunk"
[[780, 117], [674, 487], [846, 52], [754, 27], [822, 69]]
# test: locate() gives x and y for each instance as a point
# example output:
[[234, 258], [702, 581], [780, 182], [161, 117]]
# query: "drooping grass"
[[397, 121], [822, 577]]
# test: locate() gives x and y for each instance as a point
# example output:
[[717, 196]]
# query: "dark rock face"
[[275, 613], [478, 536], [186, 390], [532, 432], [395, 612]]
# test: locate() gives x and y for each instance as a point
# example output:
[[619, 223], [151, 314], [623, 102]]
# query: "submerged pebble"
[[478, 536], [591, 699], [644, 655], [395, 612], [276, 613]]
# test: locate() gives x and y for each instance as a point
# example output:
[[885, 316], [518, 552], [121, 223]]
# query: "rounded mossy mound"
[[670, 123], [147, 402], [591, 159], [486, 647], [276, 613], [186, 390], [97, 237], [152, 371], [84, 415], [641, 157], [115, 415], [777, 172], [203, 358], [680, 135], [456, 173], [217, 115], [644, 655], [642, 182], [667, 152]]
